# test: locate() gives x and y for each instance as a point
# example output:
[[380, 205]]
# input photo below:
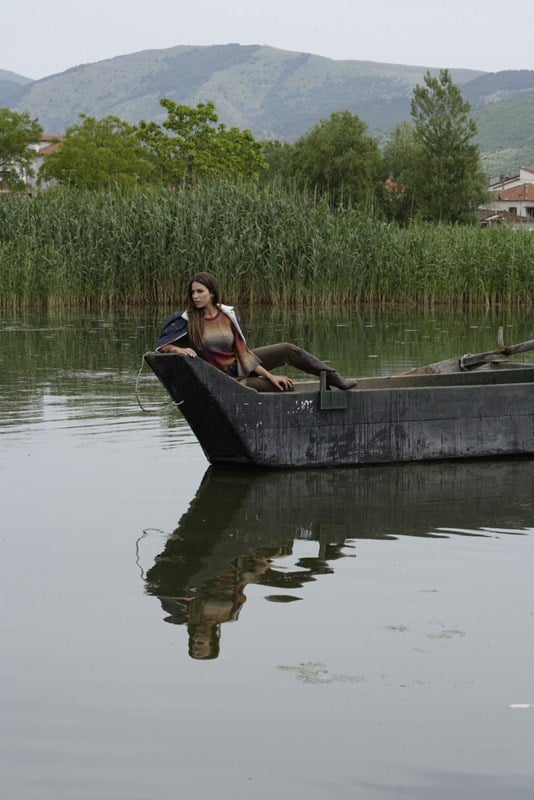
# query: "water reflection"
[[241, 523]]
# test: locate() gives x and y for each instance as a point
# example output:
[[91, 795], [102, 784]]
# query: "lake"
[[174, 630]]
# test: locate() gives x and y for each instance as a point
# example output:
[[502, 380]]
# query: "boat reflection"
[[242, 521]]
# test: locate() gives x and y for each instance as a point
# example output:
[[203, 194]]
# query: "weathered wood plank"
[[470, 360]]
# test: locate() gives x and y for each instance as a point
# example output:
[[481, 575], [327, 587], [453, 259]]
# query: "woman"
[[211, 330]]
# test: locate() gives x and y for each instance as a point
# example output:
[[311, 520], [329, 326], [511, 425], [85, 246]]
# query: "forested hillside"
[[277, 94]]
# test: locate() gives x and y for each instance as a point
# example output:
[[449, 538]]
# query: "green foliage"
[[278, 156], [196, 147], [79, 247], [448, 182], [400, 158], [17, 133], [338, 161], [97, 154]]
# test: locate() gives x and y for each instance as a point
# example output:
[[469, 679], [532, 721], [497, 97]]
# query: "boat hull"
[[385, 420]]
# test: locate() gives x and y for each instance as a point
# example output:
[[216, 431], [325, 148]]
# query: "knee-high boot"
[[314, 366]]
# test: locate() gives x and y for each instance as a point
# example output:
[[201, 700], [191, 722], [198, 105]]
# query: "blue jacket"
[[175, 328]]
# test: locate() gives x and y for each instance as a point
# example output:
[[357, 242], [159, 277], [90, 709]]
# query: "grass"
[[71, 248]]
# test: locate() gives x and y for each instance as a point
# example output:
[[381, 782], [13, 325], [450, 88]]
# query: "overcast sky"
[[41, 38]]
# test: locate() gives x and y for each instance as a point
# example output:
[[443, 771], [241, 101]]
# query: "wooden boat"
[[444, 411]]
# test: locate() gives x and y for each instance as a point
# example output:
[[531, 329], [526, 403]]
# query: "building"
[[512, 199], [47, 145]]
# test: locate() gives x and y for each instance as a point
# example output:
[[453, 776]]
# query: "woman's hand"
[[282, 382], [182, 351]]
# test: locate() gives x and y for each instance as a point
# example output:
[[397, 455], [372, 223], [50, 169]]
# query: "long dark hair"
[[195, 323]]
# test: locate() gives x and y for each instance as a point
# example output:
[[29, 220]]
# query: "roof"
[[504, 180], [489, 216], [50, 143], [517, 194], [52, 137], [49, 148]]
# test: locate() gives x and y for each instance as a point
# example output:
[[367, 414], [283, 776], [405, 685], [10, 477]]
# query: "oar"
[[472, 361]]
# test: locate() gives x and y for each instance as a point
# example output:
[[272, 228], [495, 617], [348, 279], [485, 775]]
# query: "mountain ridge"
[[277, 94]]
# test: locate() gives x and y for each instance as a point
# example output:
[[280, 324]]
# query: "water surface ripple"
[[175, 630]]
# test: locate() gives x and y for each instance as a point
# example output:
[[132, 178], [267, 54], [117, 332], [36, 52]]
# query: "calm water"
[[171, 630]]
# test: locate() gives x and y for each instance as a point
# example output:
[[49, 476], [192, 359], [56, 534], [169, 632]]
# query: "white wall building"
[[512, 198], [47, 145]]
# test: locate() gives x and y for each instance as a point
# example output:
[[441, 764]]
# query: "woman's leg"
[[273, 356], [278, 355], [258, 383]]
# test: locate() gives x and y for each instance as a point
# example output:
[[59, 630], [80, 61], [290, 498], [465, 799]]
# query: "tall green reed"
[[68, 248]]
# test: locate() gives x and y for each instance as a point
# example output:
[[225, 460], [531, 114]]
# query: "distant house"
[[512, 199], [47, 145]]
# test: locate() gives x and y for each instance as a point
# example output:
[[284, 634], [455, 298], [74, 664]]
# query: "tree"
[[197, 147], [449, 182], [17, 133], [279, 157], [338, 160], [99, 153], [401, 157]]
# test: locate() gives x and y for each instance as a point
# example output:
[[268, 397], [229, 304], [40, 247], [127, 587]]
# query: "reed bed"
[[69, 248]]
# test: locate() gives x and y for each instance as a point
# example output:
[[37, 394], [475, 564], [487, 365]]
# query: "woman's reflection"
[[216, 600], [242, 525], [235, 532]]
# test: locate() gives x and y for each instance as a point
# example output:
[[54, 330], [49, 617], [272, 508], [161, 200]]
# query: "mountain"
[[506, 134], [11, 87], [277, 94], [5, 75], [503, 107]]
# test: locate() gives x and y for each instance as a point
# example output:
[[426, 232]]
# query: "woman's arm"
[[174, 330], [183, 351], [281, 382]]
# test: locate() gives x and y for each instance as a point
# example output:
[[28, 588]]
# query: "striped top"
[[223, 347]]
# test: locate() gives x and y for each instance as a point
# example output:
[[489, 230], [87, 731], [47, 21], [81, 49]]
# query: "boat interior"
[[512, 373]]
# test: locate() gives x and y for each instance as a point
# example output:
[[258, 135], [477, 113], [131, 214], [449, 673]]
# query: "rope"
[[139, 403], [136, 390], [146, 532]]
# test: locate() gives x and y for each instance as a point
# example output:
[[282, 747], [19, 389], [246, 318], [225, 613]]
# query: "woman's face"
[[201, 296]]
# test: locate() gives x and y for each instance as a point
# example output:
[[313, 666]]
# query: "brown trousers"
[[279, 355]]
